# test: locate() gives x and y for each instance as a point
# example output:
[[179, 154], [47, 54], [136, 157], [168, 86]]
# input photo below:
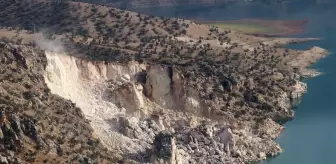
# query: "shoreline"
[[280, 27], [191, 86], [276, 129], [300, 88], [301, 59]]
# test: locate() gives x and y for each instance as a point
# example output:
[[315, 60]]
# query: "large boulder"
[[227, 85], [164, 148], [129, 96]]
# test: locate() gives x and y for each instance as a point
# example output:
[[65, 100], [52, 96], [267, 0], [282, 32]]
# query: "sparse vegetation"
[[231, 71]]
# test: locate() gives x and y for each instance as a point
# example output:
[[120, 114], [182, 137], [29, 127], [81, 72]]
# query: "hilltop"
[[133, 76]]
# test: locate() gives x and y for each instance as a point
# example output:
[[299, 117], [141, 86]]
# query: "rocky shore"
[[131, 88], [164, 101]]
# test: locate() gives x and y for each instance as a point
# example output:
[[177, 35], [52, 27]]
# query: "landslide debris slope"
[[49, 128], [134, 76]]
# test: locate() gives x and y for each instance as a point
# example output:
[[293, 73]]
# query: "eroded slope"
[[128, 104], [157, 74], [59, 132]]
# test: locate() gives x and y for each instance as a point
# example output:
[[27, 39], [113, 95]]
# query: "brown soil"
[[237, 78], [285, 27]]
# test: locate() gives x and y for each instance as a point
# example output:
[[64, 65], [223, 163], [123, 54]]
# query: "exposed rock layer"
[[193, 80], [49, 128], [120, 99]]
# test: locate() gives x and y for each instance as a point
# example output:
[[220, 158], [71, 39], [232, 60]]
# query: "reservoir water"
[[311, 137]]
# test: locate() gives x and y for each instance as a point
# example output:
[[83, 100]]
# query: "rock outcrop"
[[37, 126], [164, 149], [124, 78], [130, 104]]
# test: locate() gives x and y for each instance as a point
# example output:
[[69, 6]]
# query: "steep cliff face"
[[102, 90], [49, 129], [129, 104], [108, 91], [158, 86], [166, 87], [189, 86]]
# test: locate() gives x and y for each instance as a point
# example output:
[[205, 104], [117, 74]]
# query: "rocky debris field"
[[123, 87], [148, 98], [203, 143], [38, 126]]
